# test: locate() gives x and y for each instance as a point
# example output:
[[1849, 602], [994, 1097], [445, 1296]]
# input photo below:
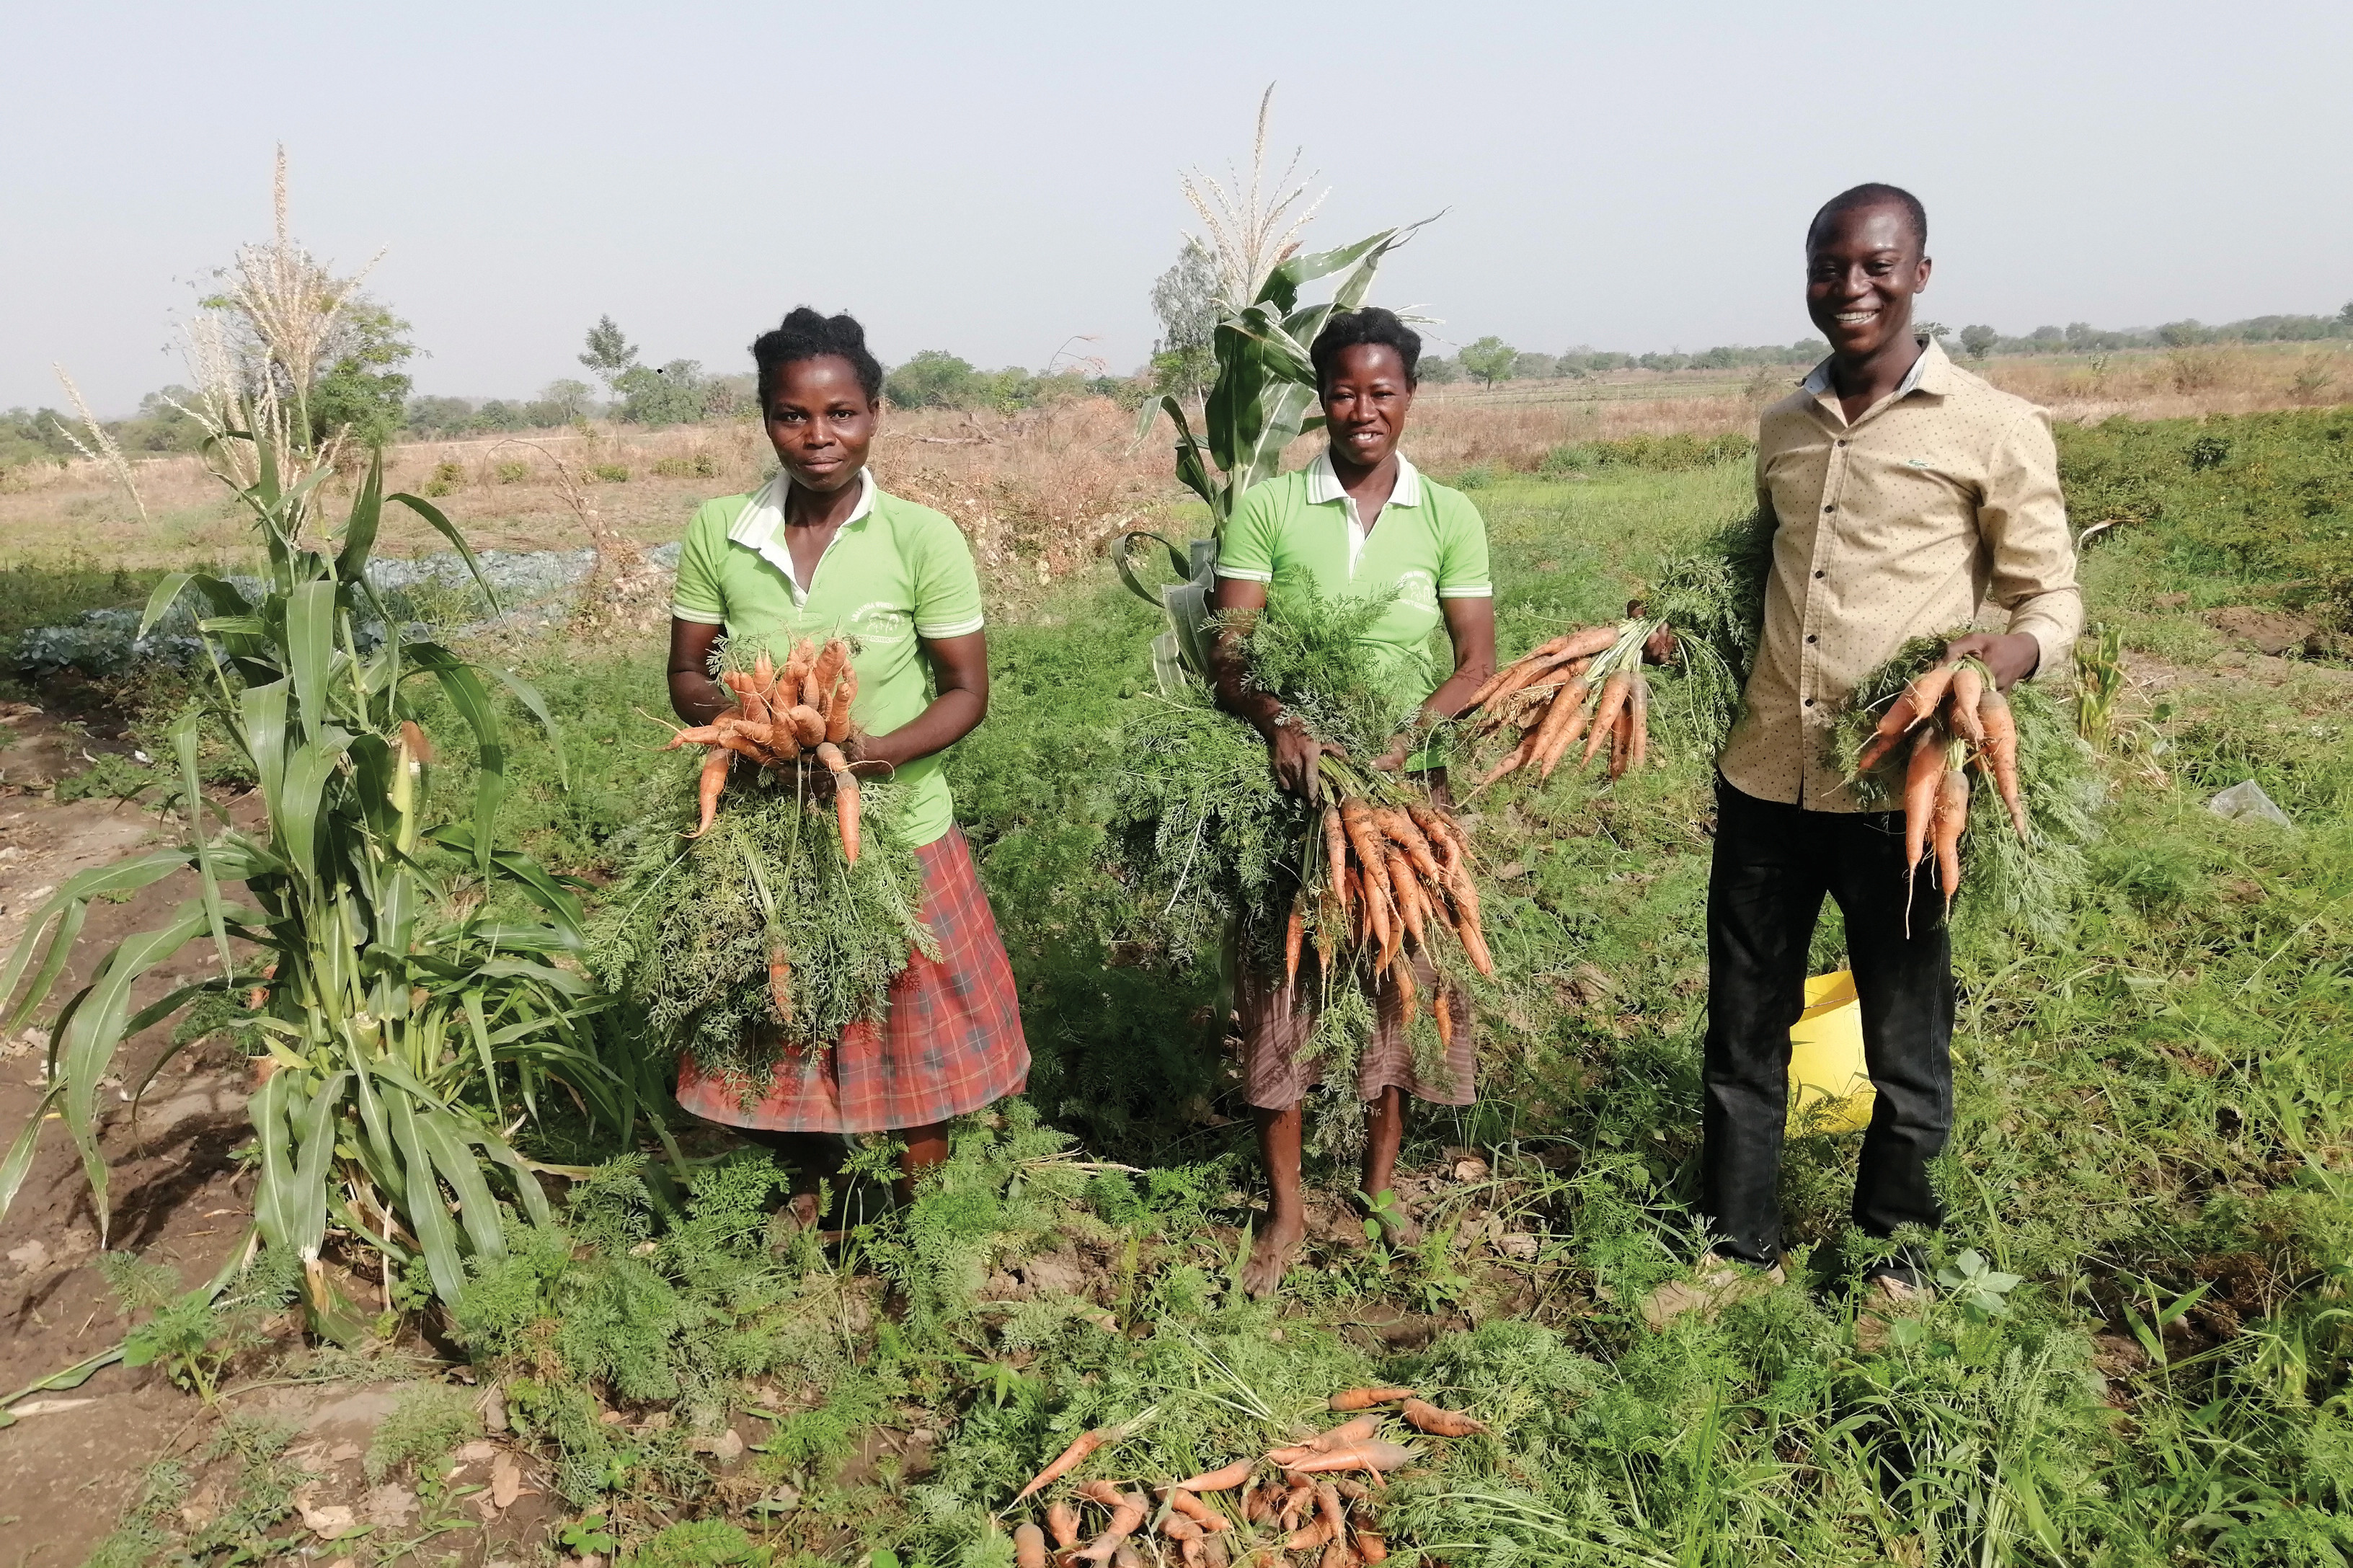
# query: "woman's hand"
[[1297, 758]]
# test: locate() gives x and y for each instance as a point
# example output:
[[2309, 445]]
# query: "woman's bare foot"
[[1271, 1251]]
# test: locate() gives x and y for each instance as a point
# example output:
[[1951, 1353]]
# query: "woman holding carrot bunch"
[[1361, 522], [822, 552]]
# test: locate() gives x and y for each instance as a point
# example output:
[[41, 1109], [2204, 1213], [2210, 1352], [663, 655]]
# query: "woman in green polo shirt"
[[822, 551], [1362, 520]]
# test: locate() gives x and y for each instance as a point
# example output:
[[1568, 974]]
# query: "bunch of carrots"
[[778, 716], [1949, 717], [1380, 875], [1584, 683], [1296, 1506]]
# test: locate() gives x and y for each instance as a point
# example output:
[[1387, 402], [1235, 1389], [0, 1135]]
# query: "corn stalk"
[[399, 1038]]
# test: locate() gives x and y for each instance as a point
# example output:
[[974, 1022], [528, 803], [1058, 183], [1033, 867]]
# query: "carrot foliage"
[[2027, 887], [690, 926]]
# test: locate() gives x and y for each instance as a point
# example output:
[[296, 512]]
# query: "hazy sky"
[[993, 179]]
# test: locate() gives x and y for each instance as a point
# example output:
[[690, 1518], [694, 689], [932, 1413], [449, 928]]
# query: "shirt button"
[[1820, 575], [1812, 637], [1832, 508], [1809, 702], [1842, 443]]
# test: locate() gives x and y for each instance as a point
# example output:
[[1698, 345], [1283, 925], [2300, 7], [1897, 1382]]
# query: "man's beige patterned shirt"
[[1941, 500]]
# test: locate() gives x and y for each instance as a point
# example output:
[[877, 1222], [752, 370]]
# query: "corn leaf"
[[310, 647], [89, 1040], [18, 1161], [305, 1211], [360, 527], [421, 1200]]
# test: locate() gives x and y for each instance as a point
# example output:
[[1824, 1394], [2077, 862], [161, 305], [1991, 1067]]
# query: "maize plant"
[[403, 1044]]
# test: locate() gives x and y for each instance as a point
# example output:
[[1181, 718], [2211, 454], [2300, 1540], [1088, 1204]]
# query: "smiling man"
[[1909, 498]]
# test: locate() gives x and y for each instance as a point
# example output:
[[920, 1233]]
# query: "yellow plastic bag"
[[1831, 1085]]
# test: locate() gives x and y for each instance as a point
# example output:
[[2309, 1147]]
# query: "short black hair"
[[1348, 329], [1873, 195], [806, 335]]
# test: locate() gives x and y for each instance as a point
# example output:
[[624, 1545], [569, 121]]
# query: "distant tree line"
[[2082, 337], [1490, 360]]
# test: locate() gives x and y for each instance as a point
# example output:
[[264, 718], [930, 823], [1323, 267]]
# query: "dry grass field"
[[1038, 491]]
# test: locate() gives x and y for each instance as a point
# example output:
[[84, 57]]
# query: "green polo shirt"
[[1429, 542], [895, 572]]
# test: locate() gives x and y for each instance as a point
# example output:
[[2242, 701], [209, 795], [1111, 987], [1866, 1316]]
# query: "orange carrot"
[[1370, 1548], [1923, 776], [1372, 865], [1294, 932], [1346, 1434], [1621, 740], [1928, 687], [830, 660], [1475, 935], [1578, 643], [807, 723], [837, 713], [1366, 1398], [1182, 1500], [1439, 1423], [1308, 1537], [1640, 726], [1442, 832], [1399, 825], [1614, 693], [696, 735], [1952, 816], [1028, 1547], [1327, 1505], [1890, 729], [2001, 750], [1412, 902], [1129, 1512], [1442, 1006], [707, 788], [847, 805], [1563, 722], [1068, 1460], [1518, 757], [1063, 1520], [763, 670], [1336, 855], [1178, 1528], [1961, 705], [1374, 1455]]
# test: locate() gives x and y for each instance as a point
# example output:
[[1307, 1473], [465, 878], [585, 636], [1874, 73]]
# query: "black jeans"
[[1773, 864]]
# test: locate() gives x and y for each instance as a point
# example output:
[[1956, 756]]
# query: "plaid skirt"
[[950, 1043], [1277, 1019]]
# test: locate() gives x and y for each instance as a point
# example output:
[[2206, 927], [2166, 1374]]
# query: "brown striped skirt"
[[950, 1043], [1277, 1020]]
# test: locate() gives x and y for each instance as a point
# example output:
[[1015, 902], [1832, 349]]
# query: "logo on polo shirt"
[[881, 621], [1419, 589]]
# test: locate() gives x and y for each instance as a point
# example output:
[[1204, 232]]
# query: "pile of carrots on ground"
[[1950, 716], [777, 717], [1381, 875], [1302, 1509], [1587, 683]]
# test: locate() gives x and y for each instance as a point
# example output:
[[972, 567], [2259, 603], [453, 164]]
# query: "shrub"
[[693, 465], [447, 477], [609, 473], [511, 473]]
